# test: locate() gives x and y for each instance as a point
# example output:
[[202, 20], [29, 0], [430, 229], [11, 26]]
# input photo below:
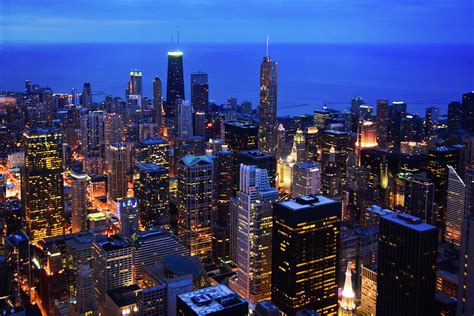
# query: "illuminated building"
[[195, 204], [312, 142], [285, 170], [199, 92], [224, 164], [413, 148], [117, 167], [406, 266], [437, 170], [135, 86], [155, 150], [366, 137], [122, 300], [17, 254], [42, 184], [382, 123], [184, 118], [395, 112], [113, 128], [200, 124], [320, 118], [147, 130], [268, 105], [281, 141], [467, 108], [454, 116], [410, 128], [216, 300], [253, 235], [151, 188], [87, 95], [158, 101], [79, 183], [92, 134], [175, 84], [419, 198], [306, 179], [364, 112], [431, 118], [257, 158], [330, 181], [299, 142], [305, 254], [240, 136], [112, 267], [347, 303], [85, 299], [194, 145], [78, 251], [176, 266], [96, 222], [368, 295], [455, 206], [334, 149], [151, 247], [127, 212]]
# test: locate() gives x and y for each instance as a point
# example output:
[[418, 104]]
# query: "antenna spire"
[[178, 37], [267, 47]]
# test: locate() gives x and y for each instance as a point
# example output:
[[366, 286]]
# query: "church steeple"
[[347, 304]]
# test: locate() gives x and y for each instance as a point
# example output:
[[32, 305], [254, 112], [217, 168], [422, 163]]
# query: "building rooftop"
[[112, 243], [241, 125], [149, 167], [211, 299], [153, 141], [80, 241], [124, 296], [191, 160], [304, 202], [409, 221], [254, 153], [184, 265], [306, 165]]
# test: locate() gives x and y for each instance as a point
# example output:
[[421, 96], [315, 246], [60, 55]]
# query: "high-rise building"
[[78, 251], [306, 254], [258, 158], [199, 92], [200, 124], [184, 118], [306, 179], [175, 83], [366, 137], [154, 150], [455, 206], [79, 201], [113, 129], [240, 136], [334, 151], [151, 188], [127, 212], [406, 266], [468, 111], [195, 204], [87, 95], [347, 303], [454, 116], [158, 101], [17, 254], [112, 267], [217, 300], [419, 198], [299, 142], [42, 187], [268, 105], [92, 134], [117, 167], [382, 123], [135, 86], [85, 298], [266, 308], [368, 292], [253, 216]]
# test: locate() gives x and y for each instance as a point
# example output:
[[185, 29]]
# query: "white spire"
[[267, 47], [348, 295]]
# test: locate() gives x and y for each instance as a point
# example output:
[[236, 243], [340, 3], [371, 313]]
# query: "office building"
[[382, 123], [184, 118], [79, 201], [268, 105], [467, 107], [252, 220], [195, 204], [17, 255], [200, 124], [78, 251], [334, 151], [199, 92], [154, 150], [85, 300], [257, 158], [455, 206], [118, 161], [419, 198], [454, 116], [135, 84], [366, 137], [126, 210], [174, 83], [87, 95], [113, 129], [368, 292], [306, 179], [406, 266], [266, 308], [306, 254], [241, 136], [42, 191], [112, 267], [158, 101], [216, 300], [92, 134], [151, 188]]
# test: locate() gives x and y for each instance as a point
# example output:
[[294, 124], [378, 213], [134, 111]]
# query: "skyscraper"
[[468, 111], [135, 86], [158, 100], [306, 179], [92, 134], [151, 188], [117, 168], [306, 254], [42, 188], [454, 116], [406, 266], [113, 129], [455, 206], [382, 123], [184, 118], [199, 92], [253, 212], [419, 198], [175, 83], [154, 150], [240, 136], [268, 104], [195, 204], [87, 95], [126, 210], [85, 299], [79, 202]]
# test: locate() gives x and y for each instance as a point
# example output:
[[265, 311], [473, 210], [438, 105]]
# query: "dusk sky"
[[433, 21]]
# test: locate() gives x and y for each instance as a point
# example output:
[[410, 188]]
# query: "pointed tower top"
[[266, 54], [348, 295]]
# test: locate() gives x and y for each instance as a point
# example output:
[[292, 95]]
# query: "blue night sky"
[[427, 21]]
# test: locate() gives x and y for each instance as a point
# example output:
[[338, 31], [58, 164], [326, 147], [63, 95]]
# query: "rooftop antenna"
[[267, 46], [178, 37], [172, 42]]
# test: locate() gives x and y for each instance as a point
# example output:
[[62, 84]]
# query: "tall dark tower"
[[199, 92], [468, 111], [407, 266], [268, 104], [157, 100], [175, 83], [87, 95]]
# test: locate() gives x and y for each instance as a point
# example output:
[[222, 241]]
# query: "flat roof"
[[153, 141], [310, 201], [409, 221], [149, 167], [211, 299]]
